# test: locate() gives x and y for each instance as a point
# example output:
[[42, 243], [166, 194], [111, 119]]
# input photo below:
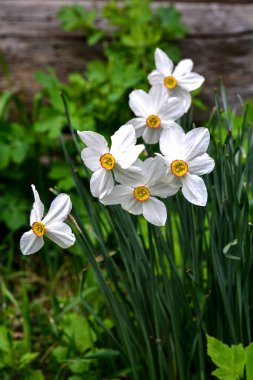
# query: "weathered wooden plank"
[[94, 2], [227, 58], [28, 18], [220, 42]]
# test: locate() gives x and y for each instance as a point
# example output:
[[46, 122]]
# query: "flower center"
[[170, 82], [38, 228], [179, 168], [107, 161], [153, 121], [141, 193]]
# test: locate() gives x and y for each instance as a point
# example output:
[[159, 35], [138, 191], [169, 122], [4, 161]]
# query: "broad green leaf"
[[5, 154], [4, 339], [19, 151], [249, 361], [79, 366], [170, 20], [78, 330], [27, 358], [60, 353], [75, 17], [34, 375], [229, 360]]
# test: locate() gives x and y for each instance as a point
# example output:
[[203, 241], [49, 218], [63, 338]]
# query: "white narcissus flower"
[[137, 194], [51, 225], [179, 81], [154, 112], [186, 159], [104, 161]]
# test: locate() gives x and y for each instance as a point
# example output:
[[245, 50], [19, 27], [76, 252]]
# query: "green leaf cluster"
[[15, 359], [231, 361], [98, 98]]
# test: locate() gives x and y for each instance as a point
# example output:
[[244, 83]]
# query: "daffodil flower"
[[51, 225], [104, 161], [154, 112], [138, 193], [178, 81], [186, 159]]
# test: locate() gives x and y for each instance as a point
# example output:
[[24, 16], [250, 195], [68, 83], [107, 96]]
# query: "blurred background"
[[96, 53]]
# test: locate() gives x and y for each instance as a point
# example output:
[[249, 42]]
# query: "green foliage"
[[230, 361], [76, 17], [15, 359], [52, 336], [249, 361], [98, 98]]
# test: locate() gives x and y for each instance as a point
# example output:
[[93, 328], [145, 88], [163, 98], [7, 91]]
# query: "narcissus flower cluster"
[[119, 176]]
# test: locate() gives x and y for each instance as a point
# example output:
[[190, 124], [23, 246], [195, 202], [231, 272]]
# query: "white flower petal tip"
[[38, 207], [30, 243], [61, 234], [59, 210], [155, 212], [94, 140], [51, 225], [194, 190]]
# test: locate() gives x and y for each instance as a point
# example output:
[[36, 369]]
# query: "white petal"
[[182, 94], [132, 176], [171, 142], [123, 141], [163, 63], [101, 183], [172, 180], [158, 97], [59, 209], [38, 207], [165, 190], [95, 141], [196, 143], [194, 189], [139, 124], [191, 81], [132, 205], [154, 211], [154, 170], [126, 159], [155, 77], [119, 194], [173, 110], [61, 234], [91, 159], [152, 135], [30, 243], [201, 165], [139, 103], [183, 67]]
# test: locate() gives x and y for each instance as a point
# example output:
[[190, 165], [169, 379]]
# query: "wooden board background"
[[220, 42]]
